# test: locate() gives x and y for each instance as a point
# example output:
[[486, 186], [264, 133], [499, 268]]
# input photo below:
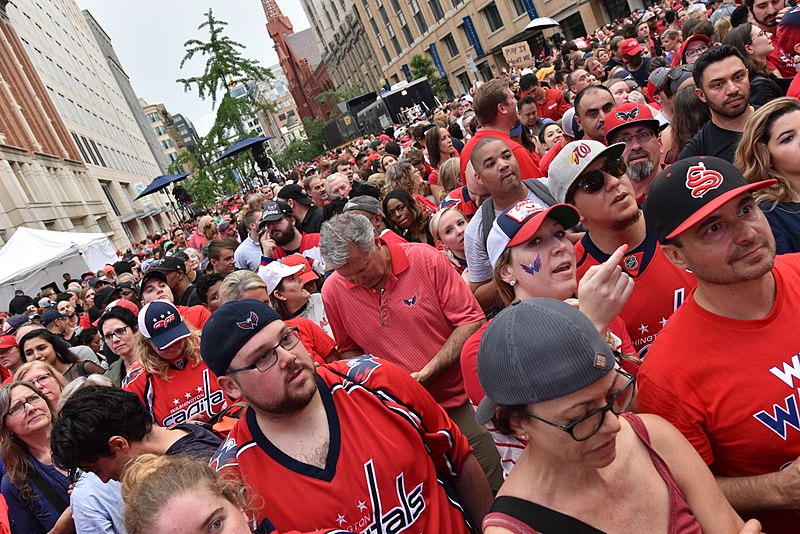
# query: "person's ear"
[[700, 94], [675, 256], [117, 444], [229, 387]]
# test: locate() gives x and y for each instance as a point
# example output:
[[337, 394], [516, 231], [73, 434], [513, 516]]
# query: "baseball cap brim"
[[170, 337], [486, 410], [717, 203], [652, 123], [563, 213], [611, 151]]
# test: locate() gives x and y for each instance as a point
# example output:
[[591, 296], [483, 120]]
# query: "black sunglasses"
[[593, 181]]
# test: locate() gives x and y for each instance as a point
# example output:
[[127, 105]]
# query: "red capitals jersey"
[[388, 442], [459, 198], [660, 287], [191, 392]]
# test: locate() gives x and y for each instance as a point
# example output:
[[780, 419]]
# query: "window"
[[418, 17], [160, 130], [485, 71], [436, 9], [519, 7], [492, 16], [173, 156], [396, 45], [110, 198], [404, 26], [154, 116], [450, 44], [166, 143], [466, 83]]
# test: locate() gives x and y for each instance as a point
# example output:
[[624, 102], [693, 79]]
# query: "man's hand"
[[267, 244], [604, 290]]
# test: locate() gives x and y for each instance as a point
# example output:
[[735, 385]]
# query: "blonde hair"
[[237, 283], [505, 289], [154, 364], [400, 175], [16, 458], [433, 226], [450, 173], [752, 155], [44, 366], [377, 179], [150, 481]]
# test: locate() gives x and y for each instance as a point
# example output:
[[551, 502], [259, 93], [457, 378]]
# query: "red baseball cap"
[[628, 114], [306, 275], [630, 47], [8, 341]]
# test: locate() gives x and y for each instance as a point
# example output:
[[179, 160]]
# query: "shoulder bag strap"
[[49, 493], [541, 518]]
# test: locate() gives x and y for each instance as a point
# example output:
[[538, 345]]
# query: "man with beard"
[[764, 14], [359, 439], [634, 125], [280, 237], [178, 236], [635, 62], [724, 85], [725, 369], [591, 177]]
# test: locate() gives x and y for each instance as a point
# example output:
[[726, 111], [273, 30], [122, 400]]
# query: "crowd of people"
[[559, 303]]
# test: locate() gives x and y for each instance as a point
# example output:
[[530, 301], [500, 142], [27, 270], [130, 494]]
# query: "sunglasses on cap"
[[591, 182]]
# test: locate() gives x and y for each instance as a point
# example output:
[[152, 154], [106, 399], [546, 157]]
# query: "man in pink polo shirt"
[[405, 303]]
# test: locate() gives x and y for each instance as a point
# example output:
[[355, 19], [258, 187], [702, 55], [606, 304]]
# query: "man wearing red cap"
[[634, 125], [725, 369], [635, 62]]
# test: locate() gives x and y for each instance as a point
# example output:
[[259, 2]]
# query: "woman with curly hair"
[[172, 380], [34, 489], [404, 175], [407, 218], [770, 149]]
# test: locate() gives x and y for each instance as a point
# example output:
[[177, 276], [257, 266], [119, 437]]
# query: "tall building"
[[347, 51], [301, 60], [72, 156], [465, 38], [170, 142], [283, 122], [186, 131]]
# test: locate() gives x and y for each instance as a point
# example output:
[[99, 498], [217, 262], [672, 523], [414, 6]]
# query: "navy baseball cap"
[[162, 324], [169, 264], [690, 190], [520, 221], [275, 210], [51, 315], [229, 328]]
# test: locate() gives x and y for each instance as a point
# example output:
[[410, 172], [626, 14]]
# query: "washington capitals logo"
[[579, 152], [360, 369], [225, 455], [409, 302], [533, 267], [701, 180], [628, 115], [250, 323], [164, 321], [449, 203]]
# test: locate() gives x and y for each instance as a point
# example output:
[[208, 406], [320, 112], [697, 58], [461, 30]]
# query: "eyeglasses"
[[19, 407], [692, 52], [593, 181], [588, 425], [39, 380], [643, 136], [118, 333], [270, 357]]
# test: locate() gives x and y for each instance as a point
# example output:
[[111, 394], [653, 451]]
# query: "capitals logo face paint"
[[360, 369], [250, 323], [533, 267], [701, 180], [578, 153]]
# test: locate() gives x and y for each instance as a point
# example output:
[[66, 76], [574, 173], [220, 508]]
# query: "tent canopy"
[[33, 258]]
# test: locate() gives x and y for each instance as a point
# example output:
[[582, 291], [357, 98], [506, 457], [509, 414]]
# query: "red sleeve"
[[314, 338], [619, 329], [527, 166], [84, 321], [433, 177], [5, 527], [469, 366], [195, 315]]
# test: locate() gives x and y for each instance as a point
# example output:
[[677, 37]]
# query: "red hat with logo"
[[627, 115], [690, 190], [7, 341], [630, 47]]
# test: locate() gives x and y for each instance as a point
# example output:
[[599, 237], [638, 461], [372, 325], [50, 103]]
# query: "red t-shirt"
[[527, 165], [459, 198], [780, 60], [659, 288], [554, 106], [314, 339], [194, 315], [549, 156], [187, 393], [408, 322], [382, 464], [794, 88], [196, 241], [731, 386]]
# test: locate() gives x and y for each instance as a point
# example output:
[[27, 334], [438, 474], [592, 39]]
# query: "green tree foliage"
[[303, 150], [423, 66], [334, 97], [225, 68]]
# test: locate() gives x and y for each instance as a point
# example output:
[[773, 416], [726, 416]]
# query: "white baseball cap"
[[274, 272]]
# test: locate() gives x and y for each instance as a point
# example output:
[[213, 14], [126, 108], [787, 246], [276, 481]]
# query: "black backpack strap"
[[487, 218], [49, 493], [540, 190], [541, 518]]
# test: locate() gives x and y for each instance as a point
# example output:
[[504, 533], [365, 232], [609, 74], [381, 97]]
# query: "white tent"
[[34, 258]]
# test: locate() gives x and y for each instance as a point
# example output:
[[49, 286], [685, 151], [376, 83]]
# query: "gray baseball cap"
[[536, 350], [364, 203], [573, 160]]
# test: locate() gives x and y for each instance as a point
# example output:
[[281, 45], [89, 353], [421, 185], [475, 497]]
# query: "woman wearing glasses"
[[45, 377], [34, 489], [47, 347], [755, 45], [551, 381], [171, 379], [117, 328]]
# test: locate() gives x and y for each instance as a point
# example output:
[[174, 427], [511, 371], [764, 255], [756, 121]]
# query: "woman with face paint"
[[532, 257]]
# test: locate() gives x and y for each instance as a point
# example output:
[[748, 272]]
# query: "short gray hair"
[[333, 177], [343, 230]]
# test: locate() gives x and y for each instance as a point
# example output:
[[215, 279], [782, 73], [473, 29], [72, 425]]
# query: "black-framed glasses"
[[270, 357], [643, 136], [118, 333], [19, 407], [591, 182], [588, 425], [692, 52]]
